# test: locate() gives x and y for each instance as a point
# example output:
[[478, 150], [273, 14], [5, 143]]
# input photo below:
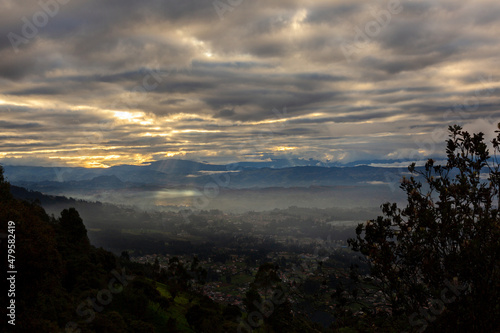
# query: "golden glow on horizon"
[[284, 148], [182, 116], [282, 120], [156, 134], [125, 115], [107, 157], [317, 114], [196, 131], [4, 102], [172, 154], [103, 161]]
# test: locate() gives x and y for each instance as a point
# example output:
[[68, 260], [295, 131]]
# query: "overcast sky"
[[101, 83]]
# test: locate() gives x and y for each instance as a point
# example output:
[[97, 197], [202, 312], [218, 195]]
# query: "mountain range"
[[242, 186], [182, 172]]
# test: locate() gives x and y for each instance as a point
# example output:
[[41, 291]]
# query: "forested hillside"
[[431, 266], [64, 284]]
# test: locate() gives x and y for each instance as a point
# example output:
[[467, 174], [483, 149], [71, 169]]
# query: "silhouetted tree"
[[125, 256], [267, 278], [437, 260]]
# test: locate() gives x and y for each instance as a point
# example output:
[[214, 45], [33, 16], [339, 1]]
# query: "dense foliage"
[[433, 265], [437, 260], [66, 285]]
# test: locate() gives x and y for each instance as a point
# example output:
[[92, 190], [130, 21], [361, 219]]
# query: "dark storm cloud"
[[172, 101], [330, 13], [226, 113], [136, 81], [232, 65], [37, 91], [11, 125], [319, 77]]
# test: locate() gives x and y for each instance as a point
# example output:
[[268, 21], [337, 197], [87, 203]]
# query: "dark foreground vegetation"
[[432, 266]]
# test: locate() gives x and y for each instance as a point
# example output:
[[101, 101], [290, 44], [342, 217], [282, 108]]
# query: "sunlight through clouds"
[[167, 77]]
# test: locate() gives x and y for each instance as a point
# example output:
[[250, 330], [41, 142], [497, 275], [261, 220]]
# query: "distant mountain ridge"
[[167, 171], [179, 174], [238, 187]]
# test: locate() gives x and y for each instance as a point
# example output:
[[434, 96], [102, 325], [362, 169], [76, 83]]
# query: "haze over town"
[[250, 166]]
